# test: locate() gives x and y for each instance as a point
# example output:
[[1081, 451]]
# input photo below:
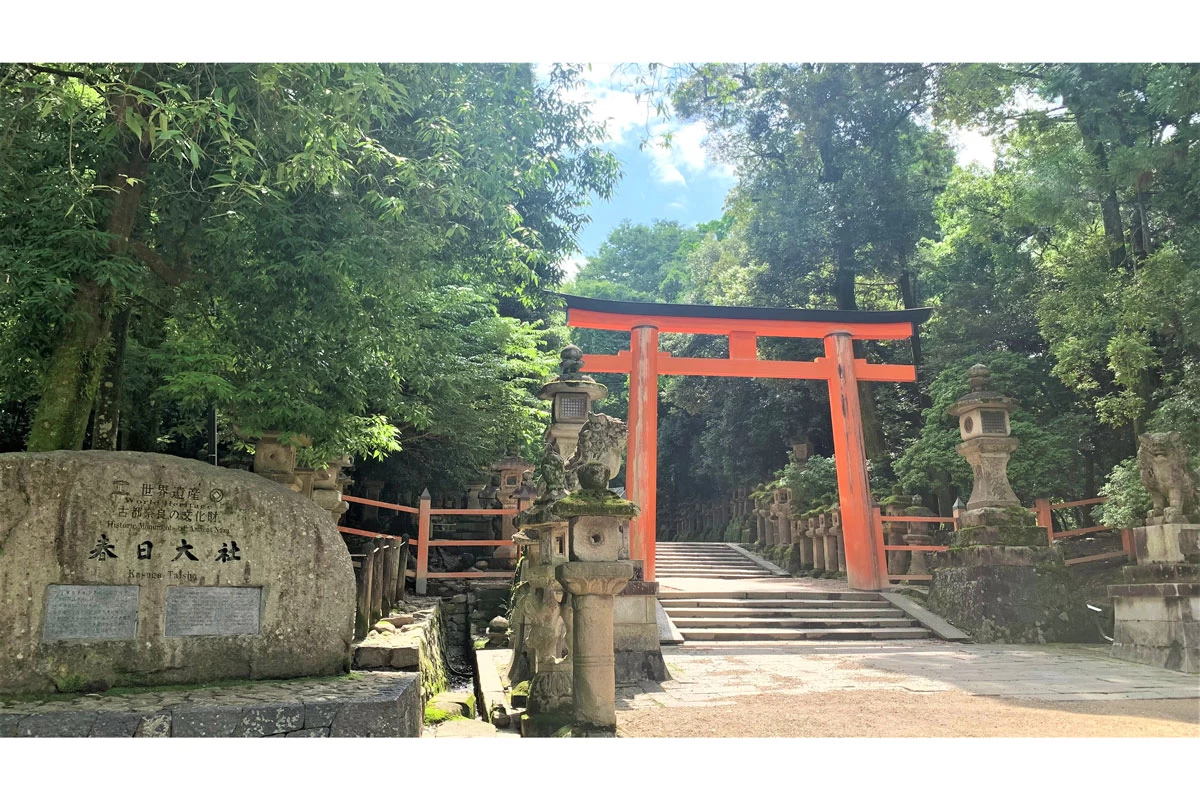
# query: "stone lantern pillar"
[[595, 573], [835, 530], [327, 487], [814, 536], [919, 534], [513, 472], [1000, 580], [275, 459], [829, 543], [893, 532]]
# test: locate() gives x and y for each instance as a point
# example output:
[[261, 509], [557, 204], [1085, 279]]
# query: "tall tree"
[[288, 238]]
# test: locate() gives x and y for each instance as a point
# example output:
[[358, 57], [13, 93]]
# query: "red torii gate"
[[866, 567]]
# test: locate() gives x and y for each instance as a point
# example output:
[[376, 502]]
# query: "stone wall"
[[412, 637], [359, 704]]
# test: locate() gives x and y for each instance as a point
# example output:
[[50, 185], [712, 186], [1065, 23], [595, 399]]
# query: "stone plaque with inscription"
[[212, 610], [90, 612], [119, 567]]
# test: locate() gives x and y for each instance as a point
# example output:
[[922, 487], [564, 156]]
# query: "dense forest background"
[[1070, 269], [361, 254]]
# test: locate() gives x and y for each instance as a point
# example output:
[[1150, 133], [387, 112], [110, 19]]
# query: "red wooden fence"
[[1042, 508], [425, 513]]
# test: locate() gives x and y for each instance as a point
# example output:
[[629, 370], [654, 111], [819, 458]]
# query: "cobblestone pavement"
[[717, 674]]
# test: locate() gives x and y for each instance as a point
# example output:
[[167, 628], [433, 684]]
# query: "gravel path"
[[892, 714], [908, 689]]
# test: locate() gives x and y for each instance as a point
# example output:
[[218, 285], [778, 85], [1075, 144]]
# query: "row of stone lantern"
[[275, 460]]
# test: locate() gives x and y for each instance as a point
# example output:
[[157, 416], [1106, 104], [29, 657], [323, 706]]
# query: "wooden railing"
[[379, 582], [1043, 509], [425, 513], [893, 548]]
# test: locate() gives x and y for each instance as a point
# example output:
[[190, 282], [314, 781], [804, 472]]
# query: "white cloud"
[[664, 172], [570, 265], [631, 120]]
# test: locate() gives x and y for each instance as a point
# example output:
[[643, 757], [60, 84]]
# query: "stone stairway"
[[768, 614], [703, 560]]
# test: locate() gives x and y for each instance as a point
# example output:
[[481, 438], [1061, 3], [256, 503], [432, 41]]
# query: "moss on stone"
[[594, 503], [434, 716]]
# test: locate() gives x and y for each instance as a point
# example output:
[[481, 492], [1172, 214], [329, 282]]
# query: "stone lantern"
[[572, 396], [512, 471], [1000, 580], [987, 442]]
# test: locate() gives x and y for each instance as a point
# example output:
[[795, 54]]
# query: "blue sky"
[[682, 182]]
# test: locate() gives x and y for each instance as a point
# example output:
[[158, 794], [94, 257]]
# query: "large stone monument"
[[145, 569], [1000, 579], [1157, 610]]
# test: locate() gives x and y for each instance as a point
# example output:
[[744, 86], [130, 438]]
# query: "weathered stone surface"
[[1001, 602], [270, 706], [320, 714], [115, 724], [155, 726], [271, 720], [9, 723], [206, 721], [63, 723], [72, 519], [310, 732], [392, 652], [1175, 543], [635, 666], [395, 712]]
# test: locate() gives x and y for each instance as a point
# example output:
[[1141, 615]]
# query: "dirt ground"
[[896, 714]]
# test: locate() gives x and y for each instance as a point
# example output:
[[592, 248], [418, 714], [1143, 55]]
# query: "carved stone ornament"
[[1165, 472], [601, 442]]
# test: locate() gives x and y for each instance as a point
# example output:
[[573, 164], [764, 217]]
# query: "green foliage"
[[1127, 502], [810, 481], [350, 252], [1045, 464]]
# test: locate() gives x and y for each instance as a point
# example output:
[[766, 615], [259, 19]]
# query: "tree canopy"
[[346, 252]]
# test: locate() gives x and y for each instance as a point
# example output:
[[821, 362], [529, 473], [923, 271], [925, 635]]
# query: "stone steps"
[[710, 560], [691, 623], [761, 615], [786, 635], [681, 614], [753, 597]]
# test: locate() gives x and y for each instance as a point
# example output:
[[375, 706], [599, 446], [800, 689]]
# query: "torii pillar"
[[641, 463]]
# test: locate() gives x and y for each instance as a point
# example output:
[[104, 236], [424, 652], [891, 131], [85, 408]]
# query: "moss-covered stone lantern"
[[987, 442], [1000, 580], [572, 395]]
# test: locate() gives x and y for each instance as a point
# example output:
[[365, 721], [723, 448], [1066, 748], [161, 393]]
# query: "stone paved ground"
[[924, 687]]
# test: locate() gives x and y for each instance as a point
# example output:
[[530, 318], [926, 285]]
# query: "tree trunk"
[[69, 388], [1110, 207], [60, 422], [107, 417]]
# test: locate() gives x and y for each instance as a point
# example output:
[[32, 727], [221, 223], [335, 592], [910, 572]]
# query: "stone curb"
[[774, 569], [389, 704]]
